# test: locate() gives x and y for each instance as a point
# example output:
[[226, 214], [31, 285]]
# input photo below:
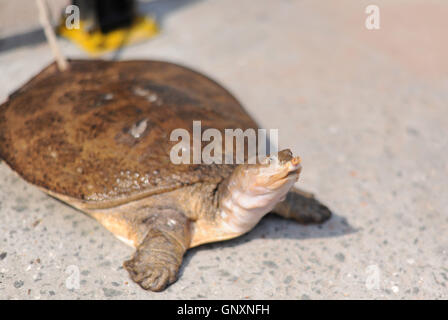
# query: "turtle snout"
[[294, 165], [287, 169]]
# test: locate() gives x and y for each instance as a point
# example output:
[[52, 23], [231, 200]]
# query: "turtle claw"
[[156, 281], [303, 207], [150, 277], [316, 213]]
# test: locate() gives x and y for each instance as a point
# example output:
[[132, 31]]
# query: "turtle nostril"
[[295, 161]]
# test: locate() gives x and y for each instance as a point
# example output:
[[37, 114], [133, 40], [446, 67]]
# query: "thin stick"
[[51, 36]]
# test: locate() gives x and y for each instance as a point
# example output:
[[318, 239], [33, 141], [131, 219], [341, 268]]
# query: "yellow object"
[[96, 42]]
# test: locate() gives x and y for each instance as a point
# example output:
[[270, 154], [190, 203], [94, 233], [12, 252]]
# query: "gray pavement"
[[367, 110]]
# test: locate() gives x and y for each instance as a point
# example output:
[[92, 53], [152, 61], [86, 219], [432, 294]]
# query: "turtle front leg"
[[303, 207], [158, 258]]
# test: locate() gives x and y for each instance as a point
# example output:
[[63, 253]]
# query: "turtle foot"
[[150, 276]]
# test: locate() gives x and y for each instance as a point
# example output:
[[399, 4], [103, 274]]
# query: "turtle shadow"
[[275, 227]]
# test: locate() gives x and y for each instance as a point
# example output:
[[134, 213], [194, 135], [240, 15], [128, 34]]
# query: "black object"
[[107, 15]]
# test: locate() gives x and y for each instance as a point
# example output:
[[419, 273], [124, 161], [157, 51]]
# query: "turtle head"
[[271, 177], [275, 172], [254, 189]]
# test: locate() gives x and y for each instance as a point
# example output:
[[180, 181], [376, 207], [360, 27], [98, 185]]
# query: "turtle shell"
[[101, 130]]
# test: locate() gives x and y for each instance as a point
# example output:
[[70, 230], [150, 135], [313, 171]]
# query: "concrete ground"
[[366, 109]]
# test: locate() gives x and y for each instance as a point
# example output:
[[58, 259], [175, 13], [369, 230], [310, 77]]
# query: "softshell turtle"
[[98, 138]]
